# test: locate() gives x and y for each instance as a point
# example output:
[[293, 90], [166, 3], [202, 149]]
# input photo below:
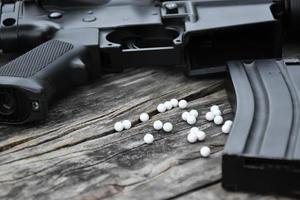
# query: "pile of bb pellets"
[[195, 134]]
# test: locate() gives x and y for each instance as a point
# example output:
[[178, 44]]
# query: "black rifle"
[[69, 42]]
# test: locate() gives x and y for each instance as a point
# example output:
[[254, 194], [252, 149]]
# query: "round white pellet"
[[194, 113], [200, 135], [226, 128], [174, 103], [144, 117], [157, 125], [217, 112], [214, 107], [183, 104], [168, 127], [209, 116], [126, 124], [118, 126], [205, 151], [218, 120], [192, 138], [148, 138], [228, 122], [191, 120], [194, 130], [185, 115], [161, 108], [168, 105]]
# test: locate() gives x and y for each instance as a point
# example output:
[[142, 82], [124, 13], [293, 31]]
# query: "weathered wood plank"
[[57, 142]]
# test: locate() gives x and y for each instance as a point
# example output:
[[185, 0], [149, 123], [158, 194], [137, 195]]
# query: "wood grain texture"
[[75, 153]]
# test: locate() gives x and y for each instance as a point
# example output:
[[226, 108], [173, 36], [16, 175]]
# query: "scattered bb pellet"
[[218, 120], [144, 117], [217, 112], [118, 126], [228, 122], [148, 138], [226, 128], [183, 104], [194, 130], [127, 124], [205, 151], [167, 127], [194, 113], [174, 103], [157, 125], [191, 120], [214, 107], [209, 116], [200, 135], [161, 108], [192, 138], [168, 105], [185, 115]]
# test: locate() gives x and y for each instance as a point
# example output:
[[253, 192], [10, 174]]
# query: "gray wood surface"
[[75, 153]]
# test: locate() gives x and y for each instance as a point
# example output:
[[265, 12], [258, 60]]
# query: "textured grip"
[[35, 60], [30, 82]]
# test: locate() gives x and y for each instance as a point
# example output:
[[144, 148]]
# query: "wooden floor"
[[76, 154]]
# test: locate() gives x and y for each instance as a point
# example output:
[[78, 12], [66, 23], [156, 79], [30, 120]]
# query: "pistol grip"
[[35, 78]]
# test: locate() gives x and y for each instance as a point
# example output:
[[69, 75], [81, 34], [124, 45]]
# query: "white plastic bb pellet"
[[205, 151], [226, 128], [148, 138], [218, 120], [118, 126], [183, 104], [161, 108], [214, 107], [228, 122], [126, 124], [194, 113], [185, 115], [191, 120], [209, 116], [217, 112], [194, 130], [168, 105], [144, 117], [167, 127], [201, 135], [192, 138], [157, 125], [174, 103]]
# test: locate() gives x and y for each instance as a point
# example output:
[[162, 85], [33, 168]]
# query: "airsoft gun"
[[69, 42]]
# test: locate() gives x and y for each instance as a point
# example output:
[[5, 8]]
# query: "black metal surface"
[[15, 111], [293, 12], [262, 153]]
